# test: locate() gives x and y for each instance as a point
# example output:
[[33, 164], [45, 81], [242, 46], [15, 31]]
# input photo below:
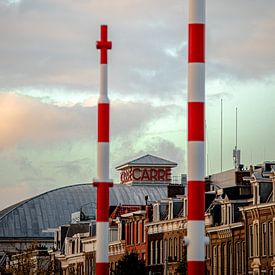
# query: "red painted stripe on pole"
[[196, 43], [195, 268], [103, 122], [102, 268], [103, 32], [196, 190], [102, 211], [195, 121]]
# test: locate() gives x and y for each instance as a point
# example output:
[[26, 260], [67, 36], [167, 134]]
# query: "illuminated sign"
[[143, 174]]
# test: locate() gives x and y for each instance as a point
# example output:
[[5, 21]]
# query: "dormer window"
[[170, 214], [255, 188], [226, 210], [156, 212], [185, 207], [229, 213], [273, 187], [223, 210]]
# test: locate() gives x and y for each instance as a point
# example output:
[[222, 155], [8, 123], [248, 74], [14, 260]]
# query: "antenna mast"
[[236, 151], [221, 132], [236, 145]]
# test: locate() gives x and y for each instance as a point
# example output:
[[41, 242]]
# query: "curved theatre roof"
[[53, 208]]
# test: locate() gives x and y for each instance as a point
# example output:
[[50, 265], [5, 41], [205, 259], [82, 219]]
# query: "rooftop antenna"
[[208, 163], [236, 151], [221, 131]]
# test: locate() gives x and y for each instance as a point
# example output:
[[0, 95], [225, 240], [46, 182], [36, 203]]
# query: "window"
[[175, 249], [207, 255], [223, 214], [152, 252], [160, 252], [229, 213], [135, 231], [170, 247], [128, 226], [185, 207], [81, 246], [138, 232], [250, 240], [165, 250], [224, 259], [230, 258], [270, 238], [215, 260], [73, 247], [219, 256], [132, 232], [156, 252], [243, 257], [181, 248], [143, 232], [264, 239], [256, 239], [237, 257]]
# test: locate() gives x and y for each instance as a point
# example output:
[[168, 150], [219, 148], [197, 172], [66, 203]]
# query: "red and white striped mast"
[[196, 156], [103, 183]]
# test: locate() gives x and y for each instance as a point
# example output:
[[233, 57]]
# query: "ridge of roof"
[[148, 159]]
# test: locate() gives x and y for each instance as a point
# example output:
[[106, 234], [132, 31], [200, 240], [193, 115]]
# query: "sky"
[[49, 81]]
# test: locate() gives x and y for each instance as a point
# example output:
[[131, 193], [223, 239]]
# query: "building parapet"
[[117, 248], [166, 225]]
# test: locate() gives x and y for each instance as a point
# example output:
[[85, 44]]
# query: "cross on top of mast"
[[104, 45]]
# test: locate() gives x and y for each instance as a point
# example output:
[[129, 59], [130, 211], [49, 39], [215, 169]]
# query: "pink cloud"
[[25, 119]]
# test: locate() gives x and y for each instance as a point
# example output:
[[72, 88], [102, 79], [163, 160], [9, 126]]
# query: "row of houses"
[[239, 221], [239, 218]]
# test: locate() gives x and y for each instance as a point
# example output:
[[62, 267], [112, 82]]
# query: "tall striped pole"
[[103, 182], [196, 158]]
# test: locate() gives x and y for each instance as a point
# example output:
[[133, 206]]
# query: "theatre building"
[[145, 170]]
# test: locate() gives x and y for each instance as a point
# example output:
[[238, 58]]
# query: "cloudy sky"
[[49, 86]]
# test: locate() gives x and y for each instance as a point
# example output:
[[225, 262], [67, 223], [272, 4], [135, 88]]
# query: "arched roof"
[[53, 208]]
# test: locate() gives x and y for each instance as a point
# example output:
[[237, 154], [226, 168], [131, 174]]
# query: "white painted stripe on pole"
[[103, 161], [196, 80], [102, 242], [103, 90], [196, 247], [197, 11], [196, 160]]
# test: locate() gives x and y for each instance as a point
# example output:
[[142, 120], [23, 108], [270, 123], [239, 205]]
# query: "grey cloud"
[[25, 120], [238, 38], [52, 43], [168, 150]]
